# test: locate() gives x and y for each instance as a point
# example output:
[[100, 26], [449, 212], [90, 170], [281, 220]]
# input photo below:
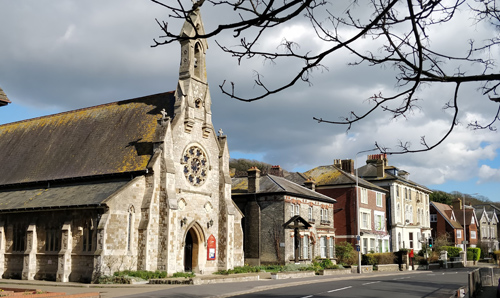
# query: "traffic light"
[[431, 242]]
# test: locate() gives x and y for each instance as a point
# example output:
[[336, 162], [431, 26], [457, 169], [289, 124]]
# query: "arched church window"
[[197, 60], [130, 226], [88, 235], [197, 103], [52, 239], [19, 238]]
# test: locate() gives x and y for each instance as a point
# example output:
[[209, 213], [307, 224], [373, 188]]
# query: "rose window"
[[195, 166]]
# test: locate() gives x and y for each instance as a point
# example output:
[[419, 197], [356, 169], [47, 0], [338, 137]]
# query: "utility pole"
[[358, 236]]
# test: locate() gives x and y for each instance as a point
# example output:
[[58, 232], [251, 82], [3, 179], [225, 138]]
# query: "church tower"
[[193, 96]]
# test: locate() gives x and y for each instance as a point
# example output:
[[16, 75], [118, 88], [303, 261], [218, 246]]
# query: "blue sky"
[[85, 53]]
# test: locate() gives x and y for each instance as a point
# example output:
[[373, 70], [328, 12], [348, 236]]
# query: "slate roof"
[[332, 175], [113, 138], [3, 98], [369, 172], [87, 194], [270, 184], [446, 211], [469, 212]]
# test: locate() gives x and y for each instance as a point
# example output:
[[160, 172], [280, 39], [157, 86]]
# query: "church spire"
[[193, 51], [193, 96]]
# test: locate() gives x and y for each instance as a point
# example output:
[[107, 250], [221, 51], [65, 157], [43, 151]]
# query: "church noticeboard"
[[211, 245]]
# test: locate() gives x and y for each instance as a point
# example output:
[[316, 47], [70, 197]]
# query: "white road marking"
[[369, 283], [307, 296], [339, 289]]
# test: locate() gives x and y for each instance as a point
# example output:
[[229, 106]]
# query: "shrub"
[[475, 253], [345, 253], [453, 252], [326, 263], [368, 259], [142, 274], [108, 279], [385, 258], [184, 274]]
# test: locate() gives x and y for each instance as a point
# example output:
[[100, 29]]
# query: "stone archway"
[[193, 241]]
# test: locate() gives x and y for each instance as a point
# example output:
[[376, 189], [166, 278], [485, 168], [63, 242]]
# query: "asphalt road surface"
[[422, 284]]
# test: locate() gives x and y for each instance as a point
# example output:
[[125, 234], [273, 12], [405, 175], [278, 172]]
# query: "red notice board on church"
[[211, 246]]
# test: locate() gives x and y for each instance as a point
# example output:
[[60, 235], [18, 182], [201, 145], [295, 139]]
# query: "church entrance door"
[[191, 251]]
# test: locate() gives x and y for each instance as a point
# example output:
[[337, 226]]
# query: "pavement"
[[487, 292], [119, 290]]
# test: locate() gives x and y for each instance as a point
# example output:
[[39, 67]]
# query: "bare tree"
[[399, 35]]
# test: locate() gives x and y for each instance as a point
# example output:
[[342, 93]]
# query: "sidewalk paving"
[[487, 292]]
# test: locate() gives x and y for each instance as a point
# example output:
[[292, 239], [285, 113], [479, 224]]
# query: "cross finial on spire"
[[221, 133]]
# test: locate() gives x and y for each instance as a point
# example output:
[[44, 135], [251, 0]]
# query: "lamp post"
[[358, 236], [465, 228]]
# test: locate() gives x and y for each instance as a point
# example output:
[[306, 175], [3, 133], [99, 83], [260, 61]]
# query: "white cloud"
[[488, 174]]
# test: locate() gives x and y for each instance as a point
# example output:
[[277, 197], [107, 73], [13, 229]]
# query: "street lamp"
[[358, 236]]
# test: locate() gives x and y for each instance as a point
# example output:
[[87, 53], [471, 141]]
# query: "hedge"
[[453, 252], [474, 252]]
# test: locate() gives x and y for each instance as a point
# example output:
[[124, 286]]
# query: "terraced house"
[[408, 205], [338, 181], [135, 184]]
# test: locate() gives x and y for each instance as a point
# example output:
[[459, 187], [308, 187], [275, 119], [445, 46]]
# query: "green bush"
[[385, 258], [108, 279], [142, 274], [475, 253], [368, 259], [453, 252], [345, 253], [184, 274]]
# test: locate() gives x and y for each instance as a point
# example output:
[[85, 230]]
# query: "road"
[[422, 284]]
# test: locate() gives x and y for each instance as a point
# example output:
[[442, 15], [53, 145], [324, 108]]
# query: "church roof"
[[89, 194], [3, 98], [108, 139]]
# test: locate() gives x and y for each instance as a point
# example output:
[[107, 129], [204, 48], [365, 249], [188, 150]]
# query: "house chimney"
[[457, 204], [253, 180], [348, 166], [276, 171], [380, 161], [337, 163], [309, 183]]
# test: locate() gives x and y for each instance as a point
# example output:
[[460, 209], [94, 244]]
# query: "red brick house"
[[338, 181], [449, 220], [470, 222], [444, 223]]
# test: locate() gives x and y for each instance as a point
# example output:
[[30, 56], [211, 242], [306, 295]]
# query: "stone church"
[[139, 184]]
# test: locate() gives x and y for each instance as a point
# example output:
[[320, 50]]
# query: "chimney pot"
[[276, 171], [253, 180]]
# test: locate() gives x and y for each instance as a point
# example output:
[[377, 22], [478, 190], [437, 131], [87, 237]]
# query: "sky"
[[61, 55]]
